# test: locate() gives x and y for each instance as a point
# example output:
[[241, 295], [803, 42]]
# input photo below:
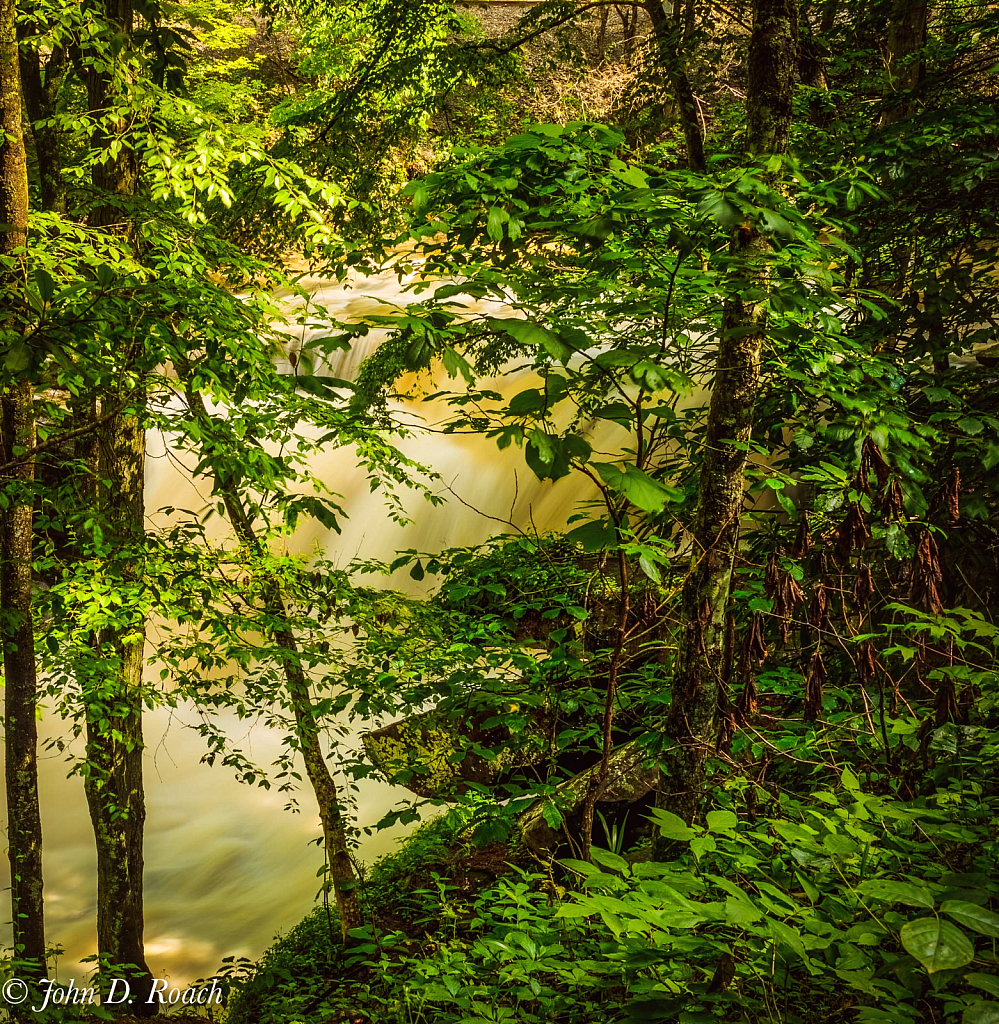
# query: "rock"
[[430, 755], [629, 778]]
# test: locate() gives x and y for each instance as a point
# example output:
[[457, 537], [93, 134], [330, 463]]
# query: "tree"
[[24, 830], [113, 778], [699, 667]]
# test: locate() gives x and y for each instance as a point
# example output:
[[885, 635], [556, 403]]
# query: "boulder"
[[432, 757]]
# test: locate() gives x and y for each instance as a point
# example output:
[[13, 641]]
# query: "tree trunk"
[[24, 827], [113, 778], [906, 37], [699, 667], [114, 714], [668, 30], [341, 867], [41, 84]]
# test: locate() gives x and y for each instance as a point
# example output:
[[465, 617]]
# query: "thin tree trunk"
[[699, 667], [341, 867], [668, 31], [24, 826], [114, 716], [41, 85], [113, 779]]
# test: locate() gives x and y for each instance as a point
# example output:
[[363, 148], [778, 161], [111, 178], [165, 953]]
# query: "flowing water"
[[226, 866]]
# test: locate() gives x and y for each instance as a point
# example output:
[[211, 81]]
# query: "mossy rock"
[[430, 755]]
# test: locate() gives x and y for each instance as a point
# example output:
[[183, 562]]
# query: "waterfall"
[[226, 866]]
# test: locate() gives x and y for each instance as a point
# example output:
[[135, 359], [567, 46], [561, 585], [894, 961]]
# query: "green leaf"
[[650, 569], [671, 826], [44, 284], [721, 821], [526, 402], [937, 944], [638, 487], [974, 917], [970, 425], [988, 982], [494, 225], [721, 210], [982, 1012], [610, 860], [529, 333], [897, 892], [18, 357]]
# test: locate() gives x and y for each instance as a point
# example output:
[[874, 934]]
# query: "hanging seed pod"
[[866, 662], [813, 687], [803, 540], [789, 596], [863, 586], [771, 577], [727, 724], [783, 588], [892, 502], [818, 614], [871, 454], [748, 700], [927, 575], [945, 707], [950, 497], [851, 534], [754, 646]]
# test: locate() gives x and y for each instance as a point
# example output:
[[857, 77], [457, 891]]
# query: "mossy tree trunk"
[[904, 71], [24, 827], [693, 717]]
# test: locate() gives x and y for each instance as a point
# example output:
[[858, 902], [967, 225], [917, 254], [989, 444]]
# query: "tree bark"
[[697, 680], [113, 775], [668, 29], [41, 84], [24, 827], [906, 37], [114, 784], [341, 867]]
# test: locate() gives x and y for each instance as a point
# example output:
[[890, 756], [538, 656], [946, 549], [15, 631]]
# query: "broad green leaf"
[[937, 944], [982, 1012], [787, 935], [721, 821], [581, 867], [739, 913], [529, 333], [494, 225], [987, 982], [671, 826], [609, 860], [637, 486], [976, 918], [897, 892]]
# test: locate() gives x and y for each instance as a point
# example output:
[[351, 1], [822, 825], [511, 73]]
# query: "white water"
[[226, 866]]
